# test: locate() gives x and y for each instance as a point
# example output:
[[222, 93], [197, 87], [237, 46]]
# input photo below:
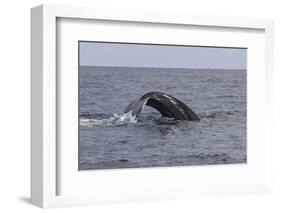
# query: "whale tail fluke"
[[167, 105]]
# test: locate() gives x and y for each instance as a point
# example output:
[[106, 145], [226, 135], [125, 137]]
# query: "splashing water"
[[116, 119]]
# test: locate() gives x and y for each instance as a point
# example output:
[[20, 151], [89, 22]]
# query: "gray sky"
[[136, 55]]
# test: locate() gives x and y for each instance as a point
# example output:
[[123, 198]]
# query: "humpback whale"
[[167, 105]]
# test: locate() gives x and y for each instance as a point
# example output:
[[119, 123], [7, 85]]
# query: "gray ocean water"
[[109, 139]]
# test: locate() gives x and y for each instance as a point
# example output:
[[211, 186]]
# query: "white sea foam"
[[116, 119]]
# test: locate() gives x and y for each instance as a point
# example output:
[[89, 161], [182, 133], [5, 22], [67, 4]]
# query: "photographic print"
[[155, 105]]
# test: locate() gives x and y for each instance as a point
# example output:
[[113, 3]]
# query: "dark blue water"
[[110, 139]]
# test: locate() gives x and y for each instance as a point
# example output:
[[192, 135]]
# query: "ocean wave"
[[218, 113]]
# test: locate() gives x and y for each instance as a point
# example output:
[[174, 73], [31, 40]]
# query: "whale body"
[[167, 105]]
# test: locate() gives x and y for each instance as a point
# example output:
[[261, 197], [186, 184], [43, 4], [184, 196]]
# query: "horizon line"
[[202, 68]]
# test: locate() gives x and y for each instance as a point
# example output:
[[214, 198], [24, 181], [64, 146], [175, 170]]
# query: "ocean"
[[110, 139]]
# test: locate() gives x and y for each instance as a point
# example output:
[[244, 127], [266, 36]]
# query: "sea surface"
[[110, 139]]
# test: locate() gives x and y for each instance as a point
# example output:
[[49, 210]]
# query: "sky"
[[168, 56]]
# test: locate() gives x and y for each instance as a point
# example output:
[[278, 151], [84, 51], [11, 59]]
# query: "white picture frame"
[[45, 152]]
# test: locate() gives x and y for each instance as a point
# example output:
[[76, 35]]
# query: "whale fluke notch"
[[167, 105]]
